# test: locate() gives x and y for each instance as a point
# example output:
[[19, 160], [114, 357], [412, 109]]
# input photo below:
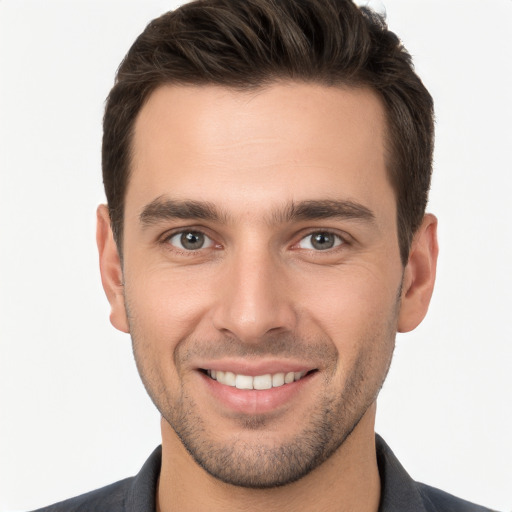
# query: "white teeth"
[[266, 381], [243, 382], [277, 380], [262, 381], [289, 377], [230, 379]]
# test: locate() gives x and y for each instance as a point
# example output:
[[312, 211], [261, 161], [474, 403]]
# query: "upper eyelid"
[[172, 235], [187, 229], [329, 231]]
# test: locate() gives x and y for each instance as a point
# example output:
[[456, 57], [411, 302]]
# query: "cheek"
[[360, 321], [161, 314], [166, 304], [351, 296], [356, 309]]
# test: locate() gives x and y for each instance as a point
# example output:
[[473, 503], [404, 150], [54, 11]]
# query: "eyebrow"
[[168, 209], [325, 209], [161, 209]]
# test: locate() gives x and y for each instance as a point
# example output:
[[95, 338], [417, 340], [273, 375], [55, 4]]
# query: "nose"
[[254, 298]]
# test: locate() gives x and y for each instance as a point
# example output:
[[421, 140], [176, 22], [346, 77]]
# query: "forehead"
[[285, 142]]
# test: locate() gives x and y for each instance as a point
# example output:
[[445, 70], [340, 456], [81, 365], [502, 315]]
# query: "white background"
[[73, 414]]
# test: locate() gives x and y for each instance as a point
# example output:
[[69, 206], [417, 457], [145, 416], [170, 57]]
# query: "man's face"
[[261, 251]]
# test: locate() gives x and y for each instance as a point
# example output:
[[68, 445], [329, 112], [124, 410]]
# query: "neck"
[[348, 480]]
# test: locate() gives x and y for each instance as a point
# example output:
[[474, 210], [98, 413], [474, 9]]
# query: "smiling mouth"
[[259, 382]]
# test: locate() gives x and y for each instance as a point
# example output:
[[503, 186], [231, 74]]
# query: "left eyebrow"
[[324, 209], [161, 209]]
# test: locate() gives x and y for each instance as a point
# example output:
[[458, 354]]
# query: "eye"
[[320, 241], [190, 240]]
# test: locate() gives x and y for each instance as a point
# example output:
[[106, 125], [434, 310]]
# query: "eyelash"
[[339, 241]]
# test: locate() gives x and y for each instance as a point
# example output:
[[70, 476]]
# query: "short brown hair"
[[253, 43]]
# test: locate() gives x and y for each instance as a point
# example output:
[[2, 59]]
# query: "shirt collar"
[[399, 492], [141, 495]]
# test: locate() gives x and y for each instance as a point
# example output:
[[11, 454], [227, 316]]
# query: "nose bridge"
[[254, 298]]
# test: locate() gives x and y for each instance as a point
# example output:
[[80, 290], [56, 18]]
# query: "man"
[[267, 166]]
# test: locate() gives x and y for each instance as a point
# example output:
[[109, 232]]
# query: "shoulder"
[[110, 498], [439, 501]]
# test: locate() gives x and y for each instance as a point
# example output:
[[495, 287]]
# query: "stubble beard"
[[261, 463]]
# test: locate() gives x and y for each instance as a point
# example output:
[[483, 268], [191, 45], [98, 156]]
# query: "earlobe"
[[419, 275], [110, 269]]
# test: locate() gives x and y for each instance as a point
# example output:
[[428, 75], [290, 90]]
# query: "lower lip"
[[251, 401]]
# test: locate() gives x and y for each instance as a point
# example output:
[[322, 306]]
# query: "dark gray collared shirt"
[[400, 493]]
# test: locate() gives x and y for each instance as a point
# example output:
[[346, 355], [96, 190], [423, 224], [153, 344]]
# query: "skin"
[[258, 295]]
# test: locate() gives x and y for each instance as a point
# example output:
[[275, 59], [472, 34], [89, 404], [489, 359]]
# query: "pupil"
[[322, 241], [192, 240]]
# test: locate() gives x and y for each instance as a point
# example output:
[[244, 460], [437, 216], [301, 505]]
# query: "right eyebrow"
[[167, 209], [325, 209]]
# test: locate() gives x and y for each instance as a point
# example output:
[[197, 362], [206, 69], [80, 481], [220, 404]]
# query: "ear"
[[419, 275], [111, 270]]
